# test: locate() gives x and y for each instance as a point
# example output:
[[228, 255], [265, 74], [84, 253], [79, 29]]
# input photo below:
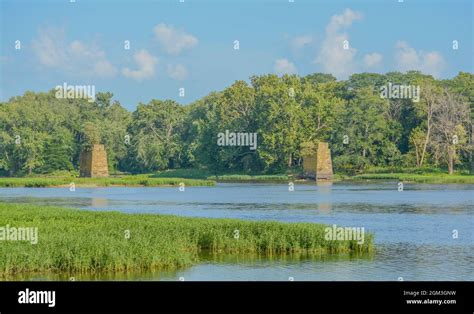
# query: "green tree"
[[155, 136]]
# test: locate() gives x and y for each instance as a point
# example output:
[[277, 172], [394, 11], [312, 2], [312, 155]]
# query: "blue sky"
[[191, 44]]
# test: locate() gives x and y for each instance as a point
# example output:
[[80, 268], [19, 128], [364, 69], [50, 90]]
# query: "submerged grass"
[[127, 180], [79, 241]]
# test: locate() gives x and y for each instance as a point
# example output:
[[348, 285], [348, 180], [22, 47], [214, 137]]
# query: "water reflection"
[[216, 260], [99, 202], [324, 185], [324, 208], [388, 263]]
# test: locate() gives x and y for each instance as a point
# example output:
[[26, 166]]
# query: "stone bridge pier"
[[318, 165], [93, 162]]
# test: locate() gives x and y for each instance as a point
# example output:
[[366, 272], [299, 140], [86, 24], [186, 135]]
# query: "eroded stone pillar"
[[93, 162], [324, 163]]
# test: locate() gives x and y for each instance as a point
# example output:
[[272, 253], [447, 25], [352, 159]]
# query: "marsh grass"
[[190, 173], [251, 178], [127, 180], [221, 177], [418, 178], [79, 241]]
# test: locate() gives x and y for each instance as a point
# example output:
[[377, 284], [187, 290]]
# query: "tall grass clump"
[[79, 241]]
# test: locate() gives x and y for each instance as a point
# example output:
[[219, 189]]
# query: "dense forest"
[[42, 134]]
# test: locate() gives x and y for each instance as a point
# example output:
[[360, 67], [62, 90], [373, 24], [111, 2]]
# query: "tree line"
[[40, 133]]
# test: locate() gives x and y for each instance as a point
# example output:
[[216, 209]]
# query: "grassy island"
[[72, 240]]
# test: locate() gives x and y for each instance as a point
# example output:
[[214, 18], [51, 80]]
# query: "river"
[[424, 232]]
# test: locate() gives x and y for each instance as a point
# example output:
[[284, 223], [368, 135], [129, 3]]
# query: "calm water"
[[413, 228]]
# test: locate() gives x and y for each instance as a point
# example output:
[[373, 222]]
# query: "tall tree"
[[450, 121], [154, 135], [427, 106]]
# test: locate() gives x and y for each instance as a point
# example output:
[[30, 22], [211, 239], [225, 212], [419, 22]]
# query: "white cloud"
[[50, 47], [332, 57], [105, 68], [343, 20], [53, 51], [177, 72], [301, 41], [283, 66], [407, 58], [146, 66], [372, 59], [80, 50], [172, 40]]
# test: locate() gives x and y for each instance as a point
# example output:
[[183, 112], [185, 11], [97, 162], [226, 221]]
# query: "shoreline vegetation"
[[416, 178], [81, 241], [199, 177], [413, 175], [126, 180], [417, 175]]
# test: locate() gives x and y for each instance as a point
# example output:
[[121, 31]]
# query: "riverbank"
[[415, 178], [222, 177], [125, 180], [72, 240], [198, 177], [414, 175]]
